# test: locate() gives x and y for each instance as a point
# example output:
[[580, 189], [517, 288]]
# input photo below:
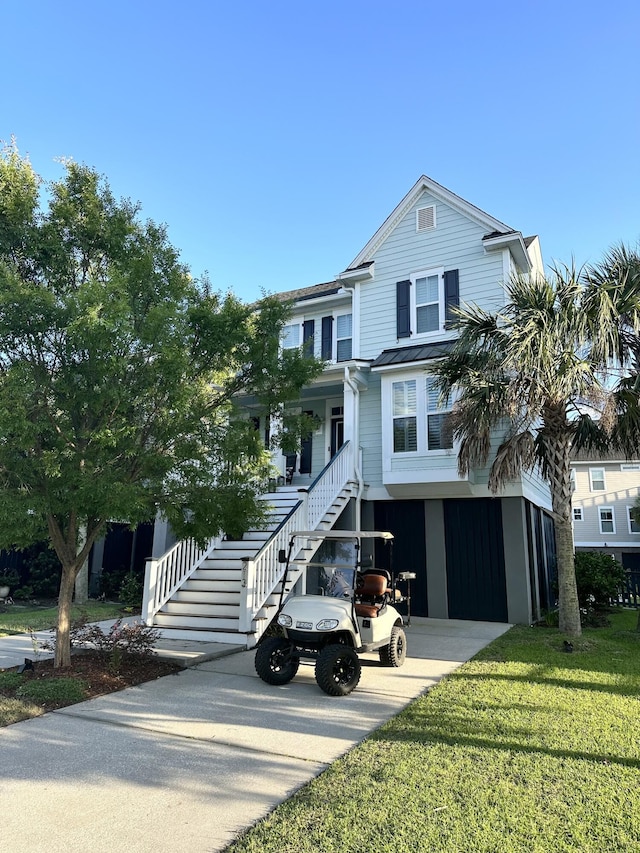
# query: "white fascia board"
[[349, 276], [404, 367], [515, 243], [332, 299], [439, 193]]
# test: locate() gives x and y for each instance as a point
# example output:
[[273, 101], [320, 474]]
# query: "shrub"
[[130, 592], [599, 577], [44, 573]]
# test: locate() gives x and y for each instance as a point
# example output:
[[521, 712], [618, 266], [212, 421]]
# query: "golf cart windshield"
[[332, 570]]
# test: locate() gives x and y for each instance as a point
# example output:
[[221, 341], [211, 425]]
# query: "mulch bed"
[[98, 676]]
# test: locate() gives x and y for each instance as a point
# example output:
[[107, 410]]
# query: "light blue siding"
[[455, 243]]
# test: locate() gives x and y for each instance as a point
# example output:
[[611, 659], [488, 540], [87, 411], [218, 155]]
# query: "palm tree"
[[615, 291], [534, 373]]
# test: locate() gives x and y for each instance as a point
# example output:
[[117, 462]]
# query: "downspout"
[[356, 426], [356, 429]]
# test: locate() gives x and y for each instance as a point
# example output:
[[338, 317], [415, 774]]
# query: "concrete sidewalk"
[[184, 763]]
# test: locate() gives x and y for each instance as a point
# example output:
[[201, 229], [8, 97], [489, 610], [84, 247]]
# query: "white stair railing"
[[165, 576], [262, 574]]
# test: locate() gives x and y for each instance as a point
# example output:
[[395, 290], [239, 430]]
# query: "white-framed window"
[[577, 513], [607, 519], [427, 297], [596, 479], [426, 218], [630, 466], [573, 479], [291, 337], [405, 416], [439, 437], [634, 526], [344, 337], [418, 416]]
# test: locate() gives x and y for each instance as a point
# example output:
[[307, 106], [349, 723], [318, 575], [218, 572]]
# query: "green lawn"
[[525, 748], [19, 619]]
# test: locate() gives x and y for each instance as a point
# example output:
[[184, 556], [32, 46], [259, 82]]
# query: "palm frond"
[[516, 453]]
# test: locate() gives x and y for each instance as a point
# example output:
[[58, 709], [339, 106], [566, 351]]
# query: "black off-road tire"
[[395, 653], [275, 662], [338, 670]]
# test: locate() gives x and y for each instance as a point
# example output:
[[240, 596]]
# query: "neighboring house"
[[605, 488], [378, 325]]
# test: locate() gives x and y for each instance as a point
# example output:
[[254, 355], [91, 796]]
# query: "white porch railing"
[[165, 576], [262, 574]]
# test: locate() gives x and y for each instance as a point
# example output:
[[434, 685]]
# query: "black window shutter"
[[327, 338], [403, 309], [451, 297], [308, 329]]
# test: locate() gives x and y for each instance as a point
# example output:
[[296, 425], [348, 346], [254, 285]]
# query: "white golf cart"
[[350, 609]]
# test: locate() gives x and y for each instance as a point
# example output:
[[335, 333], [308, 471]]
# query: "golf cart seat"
[[371, 592]]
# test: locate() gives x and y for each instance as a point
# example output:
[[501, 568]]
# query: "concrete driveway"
[[186, 762]]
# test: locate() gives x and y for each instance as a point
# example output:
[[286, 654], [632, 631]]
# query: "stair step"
[[166, 620], [210, 636], [221, 595], [215, 573], [217, 586], [218, 610]]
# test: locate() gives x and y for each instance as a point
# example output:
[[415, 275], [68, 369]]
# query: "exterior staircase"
[[228, 592]]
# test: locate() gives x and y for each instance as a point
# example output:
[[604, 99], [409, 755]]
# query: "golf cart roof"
[[343, 534]]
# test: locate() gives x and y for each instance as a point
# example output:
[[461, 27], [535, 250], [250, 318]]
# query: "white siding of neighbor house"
[[455, 243], [621, 490]]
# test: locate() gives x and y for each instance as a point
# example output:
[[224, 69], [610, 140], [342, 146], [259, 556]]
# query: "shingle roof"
[[614, 455], [417, 352], [316, 290]]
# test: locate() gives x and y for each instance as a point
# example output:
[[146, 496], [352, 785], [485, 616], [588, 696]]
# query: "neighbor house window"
[[607, 520], [439, 436], [404, 407], [291, 336], [596, 479], [634, 526], [344, 332], [577, 513], [630, 466]]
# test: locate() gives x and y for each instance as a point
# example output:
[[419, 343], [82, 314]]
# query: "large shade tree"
[[118, 376], [531, 381]]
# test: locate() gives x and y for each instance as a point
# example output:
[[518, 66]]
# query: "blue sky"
[[274, 138]]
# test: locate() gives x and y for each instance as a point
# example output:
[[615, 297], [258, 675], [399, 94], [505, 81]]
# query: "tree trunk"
[[558, 457], [63, 643], [82, 578]]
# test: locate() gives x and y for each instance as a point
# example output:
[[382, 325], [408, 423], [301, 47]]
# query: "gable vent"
[[426, 218]]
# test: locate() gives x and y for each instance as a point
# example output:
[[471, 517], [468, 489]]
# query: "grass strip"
[[524, 748], [19, 619]]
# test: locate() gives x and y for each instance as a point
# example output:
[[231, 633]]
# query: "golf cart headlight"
[[327, 625], [284, 620]]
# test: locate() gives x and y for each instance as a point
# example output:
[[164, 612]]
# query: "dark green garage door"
[[476, 586]]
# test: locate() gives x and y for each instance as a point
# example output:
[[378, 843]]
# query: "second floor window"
[[344, 337], [634, 526], [439, 436], [420, 421], [405, 422], [291, 336], [596, 479]]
